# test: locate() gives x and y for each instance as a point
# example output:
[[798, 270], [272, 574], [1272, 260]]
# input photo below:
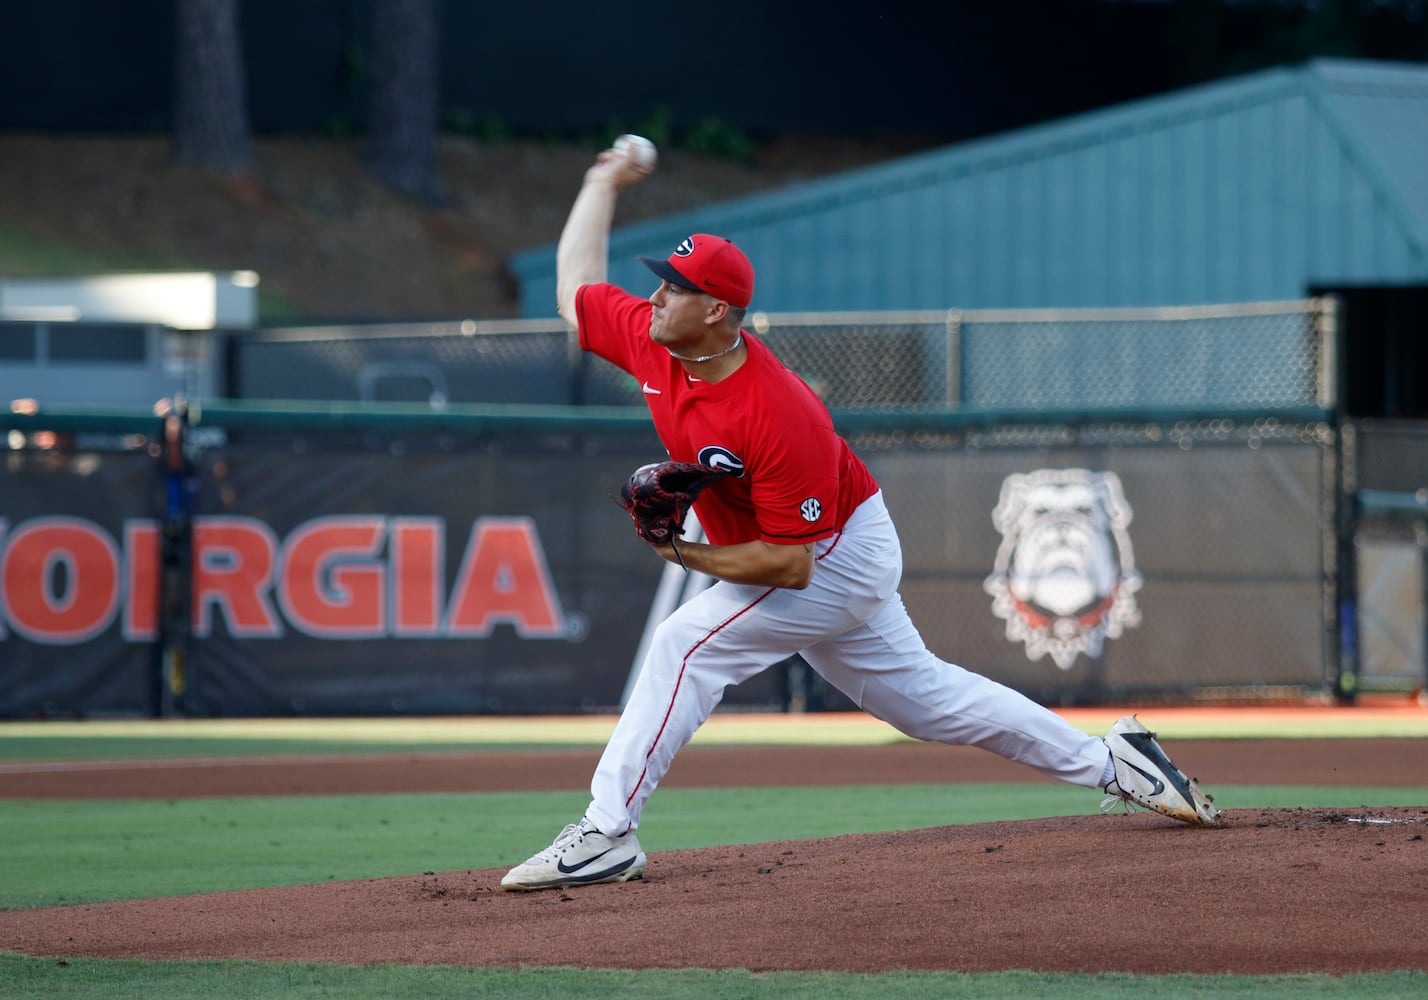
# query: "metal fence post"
[[1326, 325], [954, 357]]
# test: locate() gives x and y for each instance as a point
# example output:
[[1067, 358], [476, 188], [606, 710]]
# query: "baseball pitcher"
[[803, 550]]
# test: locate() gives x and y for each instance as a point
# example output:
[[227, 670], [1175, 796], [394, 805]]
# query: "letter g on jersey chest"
[[721, 458]]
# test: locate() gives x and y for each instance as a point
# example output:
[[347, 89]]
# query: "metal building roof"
[[1248, 189]]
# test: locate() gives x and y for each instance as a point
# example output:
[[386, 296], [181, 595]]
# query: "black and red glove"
[[658, 496]]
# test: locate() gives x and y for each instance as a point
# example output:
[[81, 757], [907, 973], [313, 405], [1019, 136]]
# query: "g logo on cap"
[[709, 264]]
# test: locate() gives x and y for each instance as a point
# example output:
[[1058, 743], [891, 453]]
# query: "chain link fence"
[[1241, 356], [1246, 356], [435, 363], [1387, 471]]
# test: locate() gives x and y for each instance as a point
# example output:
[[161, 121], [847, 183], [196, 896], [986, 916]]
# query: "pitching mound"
[[1271, 891]]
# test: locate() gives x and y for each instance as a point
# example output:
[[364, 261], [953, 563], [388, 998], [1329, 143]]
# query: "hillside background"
[[327, 240]]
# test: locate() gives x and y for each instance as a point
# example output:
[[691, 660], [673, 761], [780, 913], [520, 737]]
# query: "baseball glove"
[[658, 496]]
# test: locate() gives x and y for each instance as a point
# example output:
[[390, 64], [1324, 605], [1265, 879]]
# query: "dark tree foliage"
[[402, 126], [211, 127]]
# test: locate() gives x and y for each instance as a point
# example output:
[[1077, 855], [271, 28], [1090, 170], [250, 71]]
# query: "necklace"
[[738, 339]]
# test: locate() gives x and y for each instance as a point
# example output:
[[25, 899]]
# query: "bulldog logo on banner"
[[1065, 578]]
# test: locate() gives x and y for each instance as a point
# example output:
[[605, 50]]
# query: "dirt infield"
[[1311, 890]]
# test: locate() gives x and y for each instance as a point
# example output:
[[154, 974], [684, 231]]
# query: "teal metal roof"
[[1249, 189], [1382, 110]]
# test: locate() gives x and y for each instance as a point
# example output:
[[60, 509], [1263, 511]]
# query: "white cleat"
[[581, 855], [1146, 777]]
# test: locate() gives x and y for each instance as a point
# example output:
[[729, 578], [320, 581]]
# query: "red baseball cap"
[[709, 264]]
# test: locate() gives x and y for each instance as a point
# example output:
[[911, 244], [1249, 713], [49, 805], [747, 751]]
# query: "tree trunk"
[[211, 128], [402, 125]]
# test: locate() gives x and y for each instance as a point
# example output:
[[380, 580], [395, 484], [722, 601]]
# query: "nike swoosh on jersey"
[[651, 392]]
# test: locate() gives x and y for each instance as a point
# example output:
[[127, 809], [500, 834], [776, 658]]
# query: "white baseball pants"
[[850, 625]]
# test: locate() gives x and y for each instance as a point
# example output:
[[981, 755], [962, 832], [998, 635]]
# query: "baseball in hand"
[[638, 150]]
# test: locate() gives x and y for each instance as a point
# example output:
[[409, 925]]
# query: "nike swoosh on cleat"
[[606, 874], [1159, 785], [651, 392], [560, 865]]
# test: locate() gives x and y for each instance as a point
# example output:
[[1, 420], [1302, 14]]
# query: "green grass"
[[64, 852], [95, 979]]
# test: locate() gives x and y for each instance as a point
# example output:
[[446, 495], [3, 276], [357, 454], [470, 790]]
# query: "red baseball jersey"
[[795, 479]]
